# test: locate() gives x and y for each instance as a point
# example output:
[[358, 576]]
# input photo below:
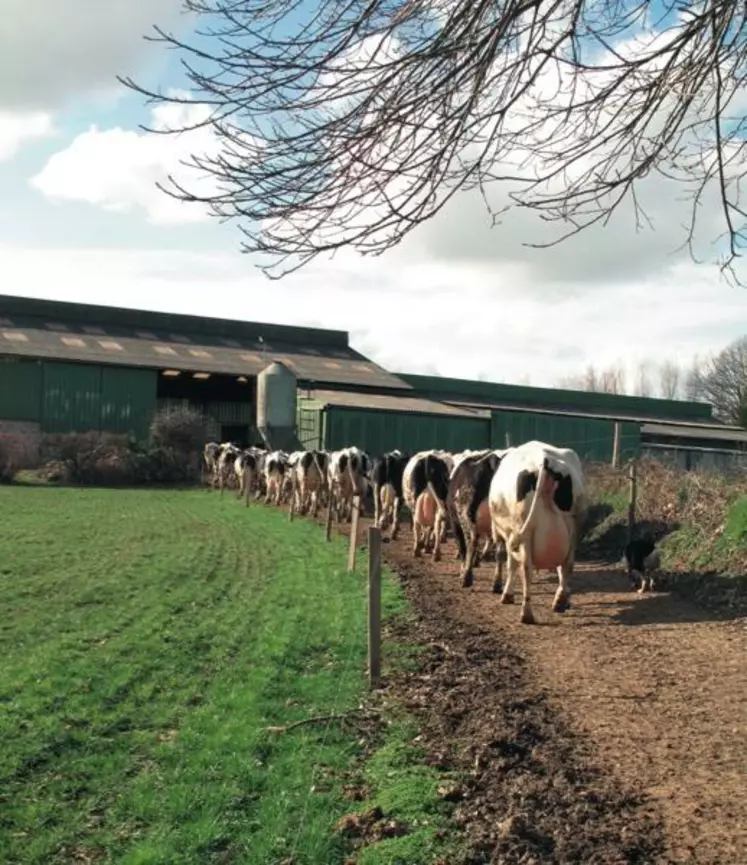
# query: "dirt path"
[[650, 690]]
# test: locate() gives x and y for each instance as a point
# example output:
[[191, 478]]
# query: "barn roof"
[[390, 402], [106, 335]]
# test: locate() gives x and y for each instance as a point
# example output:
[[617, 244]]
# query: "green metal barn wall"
[[128, 400], [20, 390], [379, 431], [81, 397], [592, 439]]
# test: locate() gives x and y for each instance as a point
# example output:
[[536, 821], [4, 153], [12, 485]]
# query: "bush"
[[107, 459], [182, 430], [16, 453], [110, 459]]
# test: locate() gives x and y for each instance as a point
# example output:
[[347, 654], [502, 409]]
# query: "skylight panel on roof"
[[72, 341], [331, 364], [164, 349], [15, 337], [110, 345], [199, 352]]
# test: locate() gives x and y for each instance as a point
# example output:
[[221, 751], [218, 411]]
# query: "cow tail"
[[535, 497]]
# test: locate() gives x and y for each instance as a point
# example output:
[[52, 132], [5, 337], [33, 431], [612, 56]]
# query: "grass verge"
[[148, 639]]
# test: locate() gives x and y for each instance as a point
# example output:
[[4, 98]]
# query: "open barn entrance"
[[227, 401]]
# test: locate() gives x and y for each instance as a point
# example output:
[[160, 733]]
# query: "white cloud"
[[52, 53], [18, 129], [117, 169], [459, 320]]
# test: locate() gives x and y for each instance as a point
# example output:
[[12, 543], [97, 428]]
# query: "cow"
[[210, 454], [309, 481], [386, 481], [276, 467], [537, 501], [348, 477], [469, 513], [641, 559], [245, 468], [224, 469], [425, 485]]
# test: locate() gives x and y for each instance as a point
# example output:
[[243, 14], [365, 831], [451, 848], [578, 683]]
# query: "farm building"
[[72, 367]]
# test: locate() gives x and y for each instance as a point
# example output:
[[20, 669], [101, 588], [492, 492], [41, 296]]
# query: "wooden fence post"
[[354, 532], [328, 521], [632, 479], [374, 606], [616, 447], [247, 489]]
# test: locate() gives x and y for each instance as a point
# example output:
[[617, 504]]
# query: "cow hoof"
[[436, 555], [526, 615], [507, 599], [417, 554], [498, 588], [561, 603], [467, 581]]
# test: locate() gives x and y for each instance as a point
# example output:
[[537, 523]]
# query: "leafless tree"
[[643, 385], [609, 380], [669, 379], [722, 381], [350, 123]]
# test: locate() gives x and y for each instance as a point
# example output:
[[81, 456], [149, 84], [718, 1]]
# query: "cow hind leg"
[[468, 577], [527, 616], [395, 519], [562, 600], [508, 595], [500, 553]]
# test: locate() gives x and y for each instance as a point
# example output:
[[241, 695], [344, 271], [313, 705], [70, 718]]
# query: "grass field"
[[147, 639]]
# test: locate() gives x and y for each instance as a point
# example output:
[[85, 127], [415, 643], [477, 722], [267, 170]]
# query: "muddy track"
[[614, 733]]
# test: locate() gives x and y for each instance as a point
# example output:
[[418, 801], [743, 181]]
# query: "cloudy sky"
[[81, 220]]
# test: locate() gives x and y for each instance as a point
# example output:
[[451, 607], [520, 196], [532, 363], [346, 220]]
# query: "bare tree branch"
[[351, 122], [722, 381]]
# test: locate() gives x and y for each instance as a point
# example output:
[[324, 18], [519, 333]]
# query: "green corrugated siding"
[[20, 389], [591, 439], [231, 412], [71, 397], [310, 424], [436, 387], [380, 431], [128, 400]]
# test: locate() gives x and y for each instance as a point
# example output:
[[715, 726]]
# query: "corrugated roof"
[[693, 431], [621, 416], [382, 402], [120, 344]]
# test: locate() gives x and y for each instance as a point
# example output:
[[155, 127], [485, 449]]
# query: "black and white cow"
[[310, 481], [224, 469], [348, 477], [469, 512], [386, 481], [537, 502], [425, 485], [276, 468], [246, 468]]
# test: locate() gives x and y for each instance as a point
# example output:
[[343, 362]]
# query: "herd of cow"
[[526, 503]]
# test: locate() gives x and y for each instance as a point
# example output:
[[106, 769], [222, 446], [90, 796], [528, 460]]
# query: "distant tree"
[[643, 385], [350, 124], [722, 381], [669, 379], [608, 380]]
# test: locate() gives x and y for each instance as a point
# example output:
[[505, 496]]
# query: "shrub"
[[16, 453], [93, 457], [183, 430]]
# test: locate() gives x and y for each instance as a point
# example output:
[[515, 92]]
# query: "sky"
[[81, 220]]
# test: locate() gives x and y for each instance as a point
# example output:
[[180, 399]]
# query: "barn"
[[69, 367]]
